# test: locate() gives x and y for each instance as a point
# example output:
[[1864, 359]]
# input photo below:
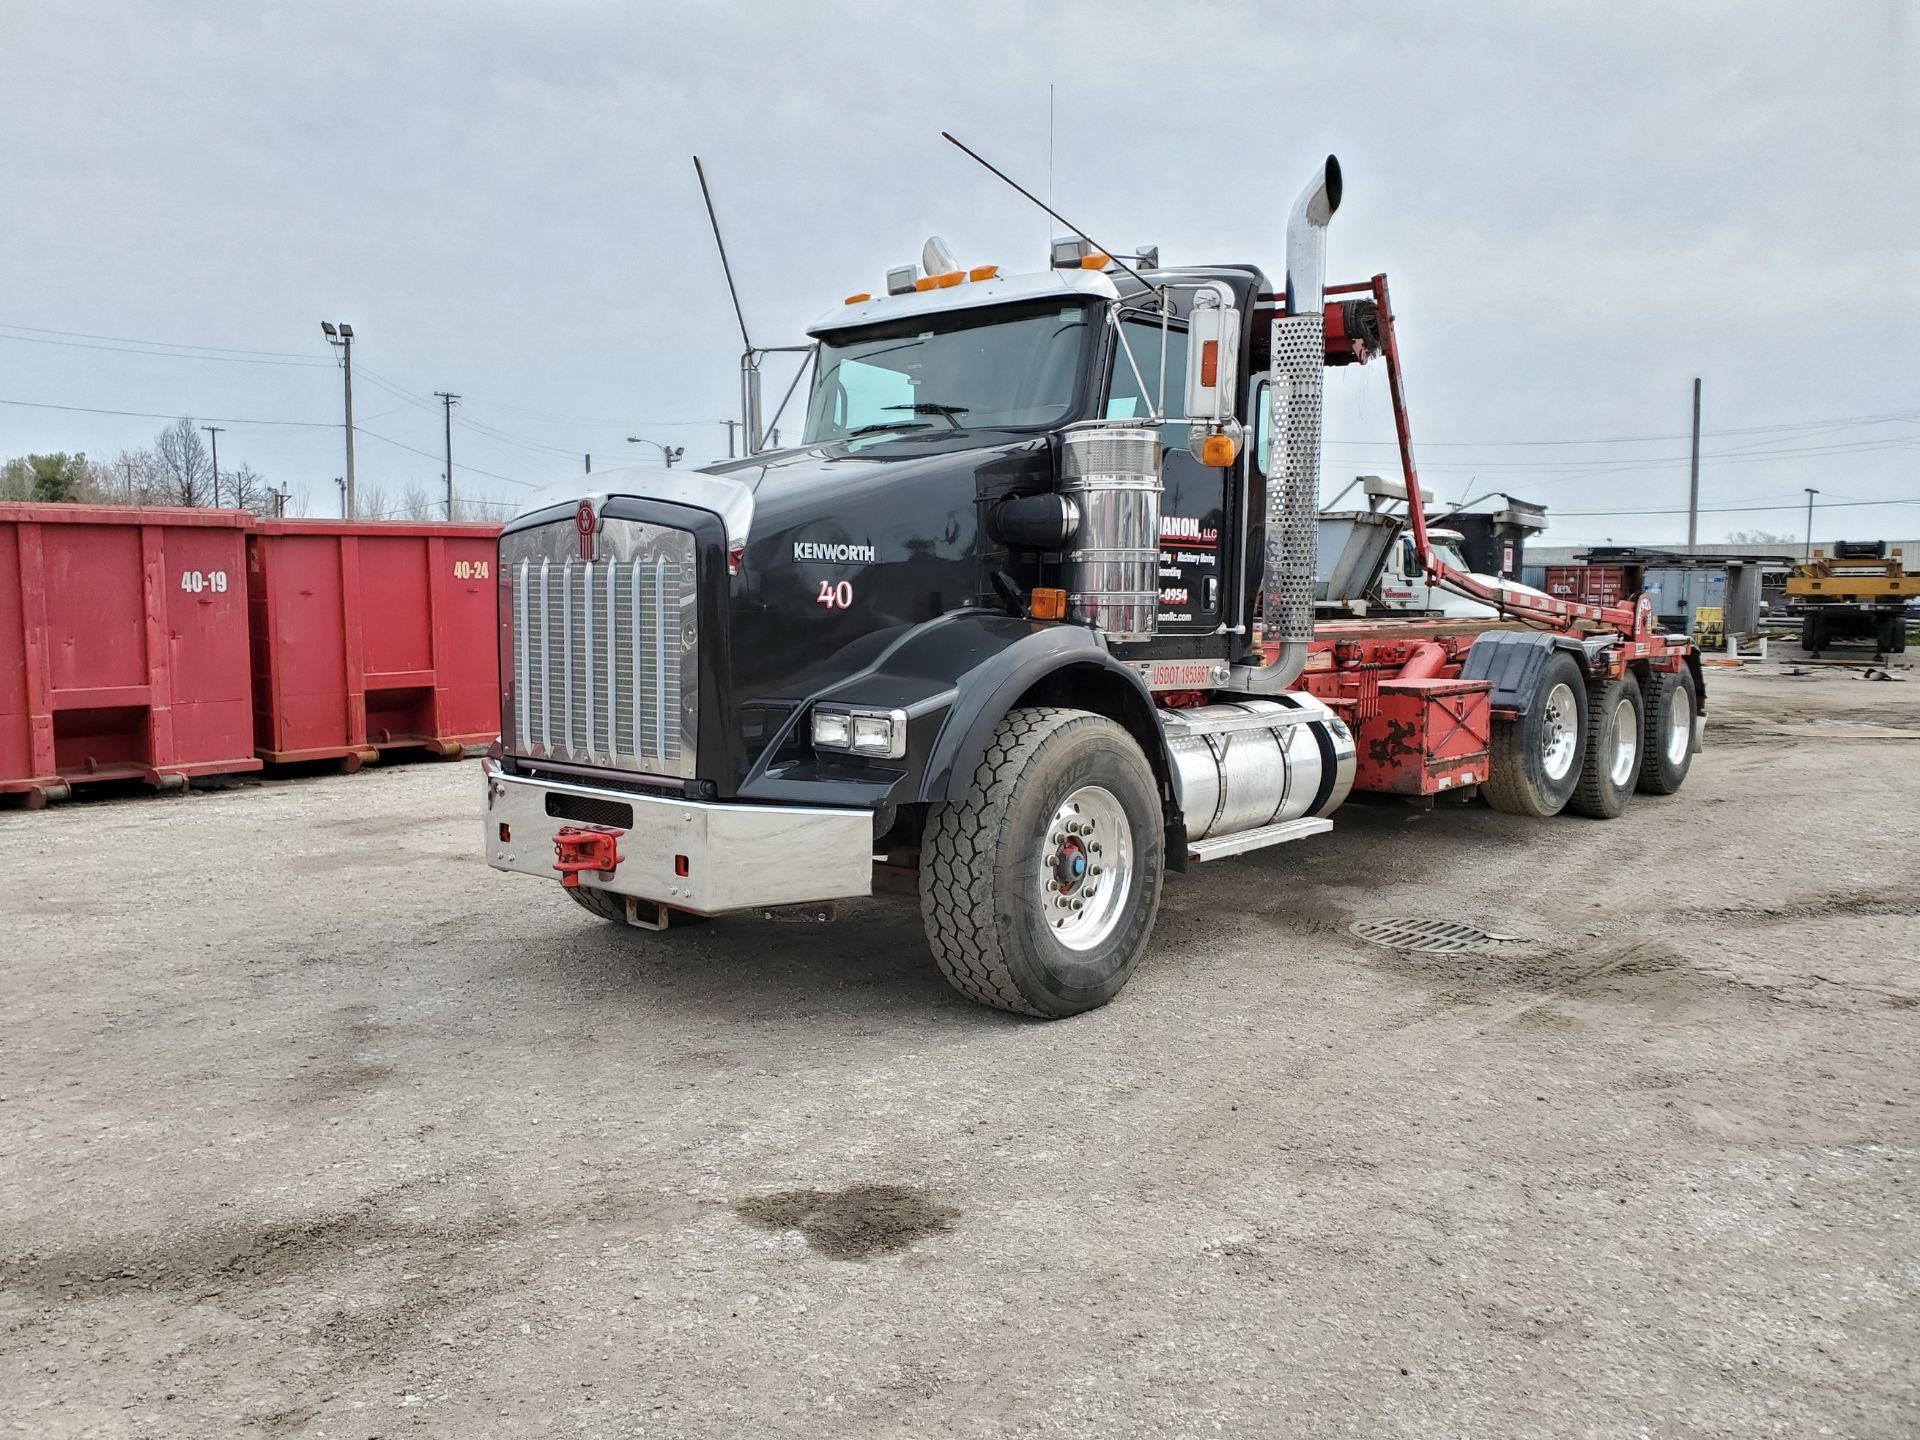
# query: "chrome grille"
[[603, 664]]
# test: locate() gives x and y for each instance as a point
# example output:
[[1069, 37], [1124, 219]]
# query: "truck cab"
[[1405, 586]]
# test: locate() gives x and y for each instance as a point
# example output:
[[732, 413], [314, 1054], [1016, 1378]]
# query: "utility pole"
[[732, 425], [589, 459], [128, 463], [1693, 489], [1811, 492], [341, 338], [215, 432], [448, 401], [279, 501]]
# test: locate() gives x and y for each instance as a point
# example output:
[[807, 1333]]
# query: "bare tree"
[[247, 489], [1759, 537], [371, 503], [186, 470], [133, 477], [477, 512]]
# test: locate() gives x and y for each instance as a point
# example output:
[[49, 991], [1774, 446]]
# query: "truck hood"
[[777, 488]]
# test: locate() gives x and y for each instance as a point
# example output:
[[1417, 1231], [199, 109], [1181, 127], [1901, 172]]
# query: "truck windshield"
[[998, 367]]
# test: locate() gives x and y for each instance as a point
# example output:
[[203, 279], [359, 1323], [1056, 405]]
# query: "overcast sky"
[[1581, 208]]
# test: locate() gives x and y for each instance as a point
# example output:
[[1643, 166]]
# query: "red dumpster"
[[370, 636], [123, 646]]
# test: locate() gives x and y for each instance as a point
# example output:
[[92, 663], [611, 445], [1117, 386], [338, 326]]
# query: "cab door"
[[1193, 503]]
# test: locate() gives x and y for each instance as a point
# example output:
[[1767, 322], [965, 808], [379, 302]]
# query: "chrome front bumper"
[[692, 855]]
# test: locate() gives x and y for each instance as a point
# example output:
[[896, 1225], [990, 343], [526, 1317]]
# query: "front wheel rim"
[[1086, 868], [1680, 727], [1559, 732]]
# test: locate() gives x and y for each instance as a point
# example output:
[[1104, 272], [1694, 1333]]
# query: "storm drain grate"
[[1424, 937]]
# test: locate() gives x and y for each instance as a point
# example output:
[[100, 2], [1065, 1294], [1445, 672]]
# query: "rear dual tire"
[[1671, 701], [1616, 734], [1536, 757]]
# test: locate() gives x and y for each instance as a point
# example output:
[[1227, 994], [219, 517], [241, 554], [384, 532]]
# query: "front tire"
[[1616, 726], [1039, 890], [1536, 758]]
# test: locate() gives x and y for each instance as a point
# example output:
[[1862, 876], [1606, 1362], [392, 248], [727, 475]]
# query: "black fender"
[[1513, 659], [1053, 665], [956, 677]]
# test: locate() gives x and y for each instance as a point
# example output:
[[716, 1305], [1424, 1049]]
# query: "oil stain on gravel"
[[853, 1223]]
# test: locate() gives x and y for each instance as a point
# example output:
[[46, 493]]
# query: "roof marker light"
[[858, 299], [983, 272]]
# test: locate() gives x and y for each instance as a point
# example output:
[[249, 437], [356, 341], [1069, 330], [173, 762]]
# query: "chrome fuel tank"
[[1252, 763]]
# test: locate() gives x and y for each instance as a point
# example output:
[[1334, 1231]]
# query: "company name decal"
[[838, 552], [1183, 527]]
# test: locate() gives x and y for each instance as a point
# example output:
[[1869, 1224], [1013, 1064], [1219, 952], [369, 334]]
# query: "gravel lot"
[[311, 1125]]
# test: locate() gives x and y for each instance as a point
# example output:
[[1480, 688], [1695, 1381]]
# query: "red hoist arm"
[[1555, 614]]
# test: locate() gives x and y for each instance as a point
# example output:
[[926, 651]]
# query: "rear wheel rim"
[[1679, 727], [1559, 733], [1626, 744], [1086, 868]]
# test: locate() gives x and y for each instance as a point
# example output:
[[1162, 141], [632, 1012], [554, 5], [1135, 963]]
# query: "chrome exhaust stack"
[[1293, 397]]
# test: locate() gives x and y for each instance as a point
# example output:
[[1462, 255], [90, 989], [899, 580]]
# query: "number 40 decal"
[[835, 596]]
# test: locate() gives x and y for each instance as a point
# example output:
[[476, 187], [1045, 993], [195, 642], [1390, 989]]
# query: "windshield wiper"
[[887, 425], [947, 413]]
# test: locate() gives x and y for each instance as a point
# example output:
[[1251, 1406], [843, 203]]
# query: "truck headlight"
[[832, 730], [878, 734]]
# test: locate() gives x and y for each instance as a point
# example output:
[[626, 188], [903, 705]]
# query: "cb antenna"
[[714, 220], [1002, 175]]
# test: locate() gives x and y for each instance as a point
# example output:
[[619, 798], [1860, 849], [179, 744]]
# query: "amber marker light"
[[1218, 451], [1047, 604]]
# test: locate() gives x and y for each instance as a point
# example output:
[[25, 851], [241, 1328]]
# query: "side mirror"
[[1213, 362], [1213, 379]]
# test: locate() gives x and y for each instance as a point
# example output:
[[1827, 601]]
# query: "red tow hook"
[[585, 850]]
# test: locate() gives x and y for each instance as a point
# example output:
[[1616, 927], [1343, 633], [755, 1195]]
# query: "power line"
[[171, 415], [158, 354], [401, 444], [1727, 509], [159, 344], [1839, 422]]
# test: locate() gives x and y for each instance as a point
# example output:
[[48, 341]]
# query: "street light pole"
[[732, 425], [448, 402], [341, 338], [672, 452], [1811, 492], [214, 432]]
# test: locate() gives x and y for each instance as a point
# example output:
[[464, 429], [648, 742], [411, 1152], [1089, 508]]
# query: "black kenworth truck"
[[1016, 627]]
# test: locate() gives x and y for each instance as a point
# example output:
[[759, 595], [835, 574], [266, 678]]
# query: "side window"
[[1125, 399]]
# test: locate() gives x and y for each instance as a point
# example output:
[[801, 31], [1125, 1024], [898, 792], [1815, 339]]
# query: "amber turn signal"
[[1218, 451], [1047, 604]]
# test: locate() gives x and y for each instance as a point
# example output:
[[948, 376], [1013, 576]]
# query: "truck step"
[[1242, 841]]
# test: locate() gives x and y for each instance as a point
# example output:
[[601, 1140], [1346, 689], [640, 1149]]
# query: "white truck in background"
[[1369, 565]]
